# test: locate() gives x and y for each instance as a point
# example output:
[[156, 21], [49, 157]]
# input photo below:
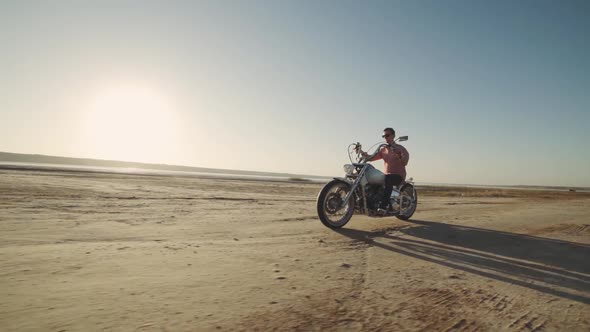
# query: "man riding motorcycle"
[[395, 158]]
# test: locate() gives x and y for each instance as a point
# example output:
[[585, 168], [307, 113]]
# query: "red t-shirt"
[[396, 158]]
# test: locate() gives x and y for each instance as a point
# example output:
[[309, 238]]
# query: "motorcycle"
[[361, 190]]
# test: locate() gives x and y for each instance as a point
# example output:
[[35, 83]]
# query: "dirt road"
[[88, 251]]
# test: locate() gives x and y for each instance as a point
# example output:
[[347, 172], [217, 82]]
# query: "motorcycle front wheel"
[[329, 204]]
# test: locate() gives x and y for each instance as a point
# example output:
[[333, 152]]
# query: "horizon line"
[[229, 171]]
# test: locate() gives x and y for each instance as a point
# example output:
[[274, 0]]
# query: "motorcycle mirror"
[[402, 138]]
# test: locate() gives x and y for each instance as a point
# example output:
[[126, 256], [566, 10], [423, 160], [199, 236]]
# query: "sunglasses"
[[387, 135]]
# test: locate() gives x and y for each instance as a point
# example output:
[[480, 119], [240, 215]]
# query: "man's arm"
[[405, 157], [377, 156]]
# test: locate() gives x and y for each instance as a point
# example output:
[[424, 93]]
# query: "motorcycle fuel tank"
[[374, 176]]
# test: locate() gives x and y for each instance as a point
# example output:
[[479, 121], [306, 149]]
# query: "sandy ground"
[[88, 252]]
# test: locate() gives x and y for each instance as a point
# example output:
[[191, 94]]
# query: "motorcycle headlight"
[[348, 169]]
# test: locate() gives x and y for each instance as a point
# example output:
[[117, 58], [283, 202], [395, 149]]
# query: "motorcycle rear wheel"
[[328, 204], [408, 190]]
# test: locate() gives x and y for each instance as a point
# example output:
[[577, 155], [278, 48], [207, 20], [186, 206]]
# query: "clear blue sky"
[[490, 92]]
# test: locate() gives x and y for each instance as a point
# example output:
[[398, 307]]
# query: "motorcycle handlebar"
[[358, 150]]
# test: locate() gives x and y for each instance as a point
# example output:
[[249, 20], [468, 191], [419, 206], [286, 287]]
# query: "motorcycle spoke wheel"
[[408, 202], [330, 209]]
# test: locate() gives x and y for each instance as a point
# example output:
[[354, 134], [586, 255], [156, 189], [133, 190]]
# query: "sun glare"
[[131, 123]]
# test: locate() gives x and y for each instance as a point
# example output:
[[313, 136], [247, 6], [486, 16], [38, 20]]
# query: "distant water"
[[144, 171], [230, 175]]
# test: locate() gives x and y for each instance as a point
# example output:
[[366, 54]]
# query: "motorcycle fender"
[[345, 180], [403, 187], [407, 184]]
